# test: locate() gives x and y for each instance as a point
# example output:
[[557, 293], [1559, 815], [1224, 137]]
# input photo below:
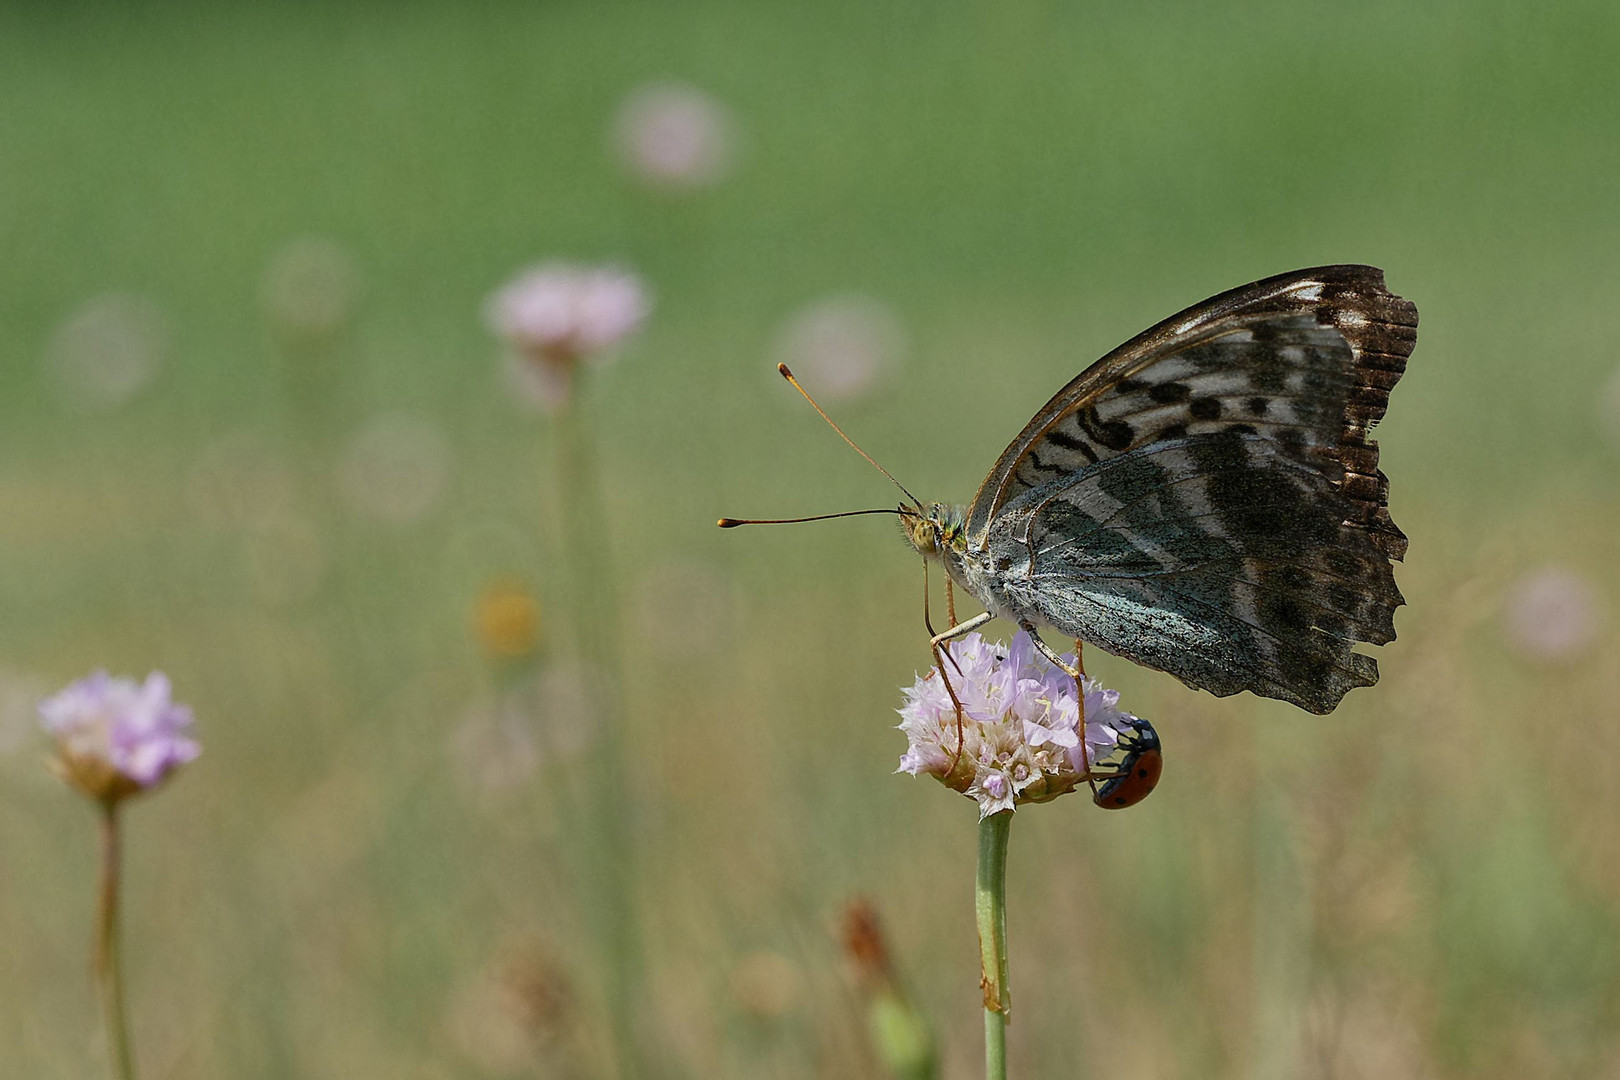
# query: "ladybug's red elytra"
[[1138, 773]]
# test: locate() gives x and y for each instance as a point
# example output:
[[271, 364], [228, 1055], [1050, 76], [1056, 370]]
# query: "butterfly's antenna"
[[732, 523], [782, 369]]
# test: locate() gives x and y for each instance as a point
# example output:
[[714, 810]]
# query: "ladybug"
[[1138, 773]]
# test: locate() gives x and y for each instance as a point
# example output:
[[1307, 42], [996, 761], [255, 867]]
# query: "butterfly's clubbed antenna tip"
[[728, 523]]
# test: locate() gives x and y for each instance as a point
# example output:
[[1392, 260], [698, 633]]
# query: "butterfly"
[[1205, 500]]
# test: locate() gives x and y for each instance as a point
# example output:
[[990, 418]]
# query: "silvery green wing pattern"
[[1204, 500]]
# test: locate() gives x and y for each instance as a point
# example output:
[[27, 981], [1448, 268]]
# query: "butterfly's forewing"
[[1204, 500]]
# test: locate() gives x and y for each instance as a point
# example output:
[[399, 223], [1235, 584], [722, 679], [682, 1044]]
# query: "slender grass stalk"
[[990, 906], [610, 866], [108, 970]]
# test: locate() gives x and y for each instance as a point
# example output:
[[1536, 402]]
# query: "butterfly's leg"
[[935, 642], [937, 645], [960, 628], [1077, 672], [950, 602], [1080, 694]]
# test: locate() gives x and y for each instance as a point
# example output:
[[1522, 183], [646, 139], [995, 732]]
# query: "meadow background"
[[288, 487]]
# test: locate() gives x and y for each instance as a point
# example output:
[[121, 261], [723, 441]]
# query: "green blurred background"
[[373, 871]]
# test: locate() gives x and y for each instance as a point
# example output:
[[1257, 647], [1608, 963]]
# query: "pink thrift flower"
[[1553, 615], [555, 315], [116, 737], [675, 136], [1020, 737], [845, 345], [564, 313]]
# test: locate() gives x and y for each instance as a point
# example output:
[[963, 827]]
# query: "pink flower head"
[[675, 136], [562, 313], [555, 315], [116, 737], [1020, 737], [1554, 615]]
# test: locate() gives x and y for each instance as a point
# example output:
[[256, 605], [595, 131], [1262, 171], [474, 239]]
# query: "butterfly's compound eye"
[[920, 531]]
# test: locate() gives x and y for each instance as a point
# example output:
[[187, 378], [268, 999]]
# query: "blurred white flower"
[[1609, 408], [107, 350], [396, 468], [841, 346], [501, 740], [675, 136], [310, 288], [1553, 614], [570, 701], [495, 746]]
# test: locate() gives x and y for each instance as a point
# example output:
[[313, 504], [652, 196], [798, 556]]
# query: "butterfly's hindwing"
[[1214, 557], [1205, 500]]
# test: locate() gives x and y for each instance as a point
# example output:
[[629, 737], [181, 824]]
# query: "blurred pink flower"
[[1553, 614], [554, 315], [675, 136], [116, 737], [842, 345], [561, 313]]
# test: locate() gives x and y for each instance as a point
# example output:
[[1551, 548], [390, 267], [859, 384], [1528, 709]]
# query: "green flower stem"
[[990, 905], [610, 864], [109, 972]]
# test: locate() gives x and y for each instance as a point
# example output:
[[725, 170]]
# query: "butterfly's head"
[[935, 529]]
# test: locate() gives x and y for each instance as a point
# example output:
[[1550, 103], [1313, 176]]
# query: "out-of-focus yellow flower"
[[507, 619]]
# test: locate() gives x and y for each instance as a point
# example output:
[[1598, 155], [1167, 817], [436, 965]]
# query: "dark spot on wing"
[[1205, 408], [1058, 437], [1285, 612], [1169, 393], [1042, 466], [1257, 406], [1116, 434]]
